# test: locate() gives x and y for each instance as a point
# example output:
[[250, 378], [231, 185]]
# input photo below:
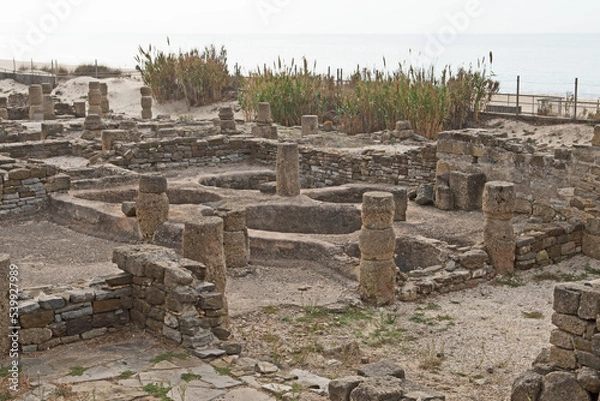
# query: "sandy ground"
[[124, 96]]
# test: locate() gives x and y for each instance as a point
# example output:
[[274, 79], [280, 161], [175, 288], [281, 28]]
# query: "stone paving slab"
[[105, 363]]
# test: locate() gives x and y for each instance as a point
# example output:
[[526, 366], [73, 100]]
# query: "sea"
[[547, 64]]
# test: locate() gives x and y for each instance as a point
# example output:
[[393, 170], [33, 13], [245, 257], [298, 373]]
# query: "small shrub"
[[188, 377], [159, 391], [167, 356], [533, 315], [100, 71], [77, 370]]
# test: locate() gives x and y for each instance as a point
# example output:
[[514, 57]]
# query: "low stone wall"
[[158, 291], [25, 187], [170, 296], [318, 167], [38, 149], [160, 154], [548, 244], [569, 370], [63, 317]]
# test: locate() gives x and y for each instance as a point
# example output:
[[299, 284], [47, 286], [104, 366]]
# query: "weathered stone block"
[[211, 301], [562, 358], [378, 281], [561, 339], [377, 211], [378, 389], [526, 387], [34, 336], [106, 305], [79, 325], [381, 368], [589, 305], [340, 389], [288, 170], [467, 189], [36, 319], [570, 324], [377, 244], [558, 386], [566, 299]]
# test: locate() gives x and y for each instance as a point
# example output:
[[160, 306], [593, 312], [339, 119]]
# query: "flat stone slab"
[[196, 394], [209, 353], [310, 380], [171, 377], [245, 394], [380, 369], [209, 375]]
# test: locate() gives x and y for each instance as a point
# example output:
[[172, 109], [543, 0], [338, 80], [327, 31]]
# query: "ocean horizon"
[[546, 63]]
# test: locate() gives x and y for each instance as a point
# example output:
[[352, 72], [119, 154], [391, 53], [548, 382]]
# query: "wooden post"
[[575, 99], [518, 89]]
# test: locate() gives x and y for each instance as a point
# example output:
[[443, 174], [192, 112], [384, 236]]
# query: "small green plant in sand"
[[77, 370], [126, 374], [269, 309], [431, 357], [533, 315], [159, 391], [188, 377], [512, 280], [168, 356]]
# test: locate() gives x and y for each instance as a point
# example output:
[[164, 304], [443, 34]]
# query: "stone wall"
[[318, 167], [570, 369], [548, 244], [158, 291], [38, 149], [171, 297], [65, 316], [545, 181], [25, 187]]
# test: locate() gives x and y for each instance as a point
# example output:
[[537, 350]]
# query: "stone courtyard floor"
[[130, 365]]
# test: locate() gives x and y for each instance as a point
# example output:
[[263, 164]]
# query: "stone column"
[[235, 236], [104, 104], [92, 127], [95, 98], [203, 242], [48, 106], [3, 108], [310, 125], [146, 92], [288, 170], [47, 88], [227, 120], [377, 243], [36, 98], [152, 204], [596, 138], [400, 202], [79, 109], [52, 130], [264, 125], [499, 201], [4, 306]]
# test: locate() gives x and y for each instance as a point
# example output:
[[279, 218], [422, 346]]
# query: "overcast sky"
[[301, 16]]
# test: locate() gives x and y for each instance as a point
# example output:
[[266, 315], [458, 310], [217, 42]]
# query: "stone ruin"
[[146, 102], [472, 170], [227, 120], [264, 127], [570, 368]]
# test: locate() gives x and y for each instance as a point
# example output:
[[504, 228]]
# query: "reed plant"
[[372, 100], [197, 77], [291, 91]]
